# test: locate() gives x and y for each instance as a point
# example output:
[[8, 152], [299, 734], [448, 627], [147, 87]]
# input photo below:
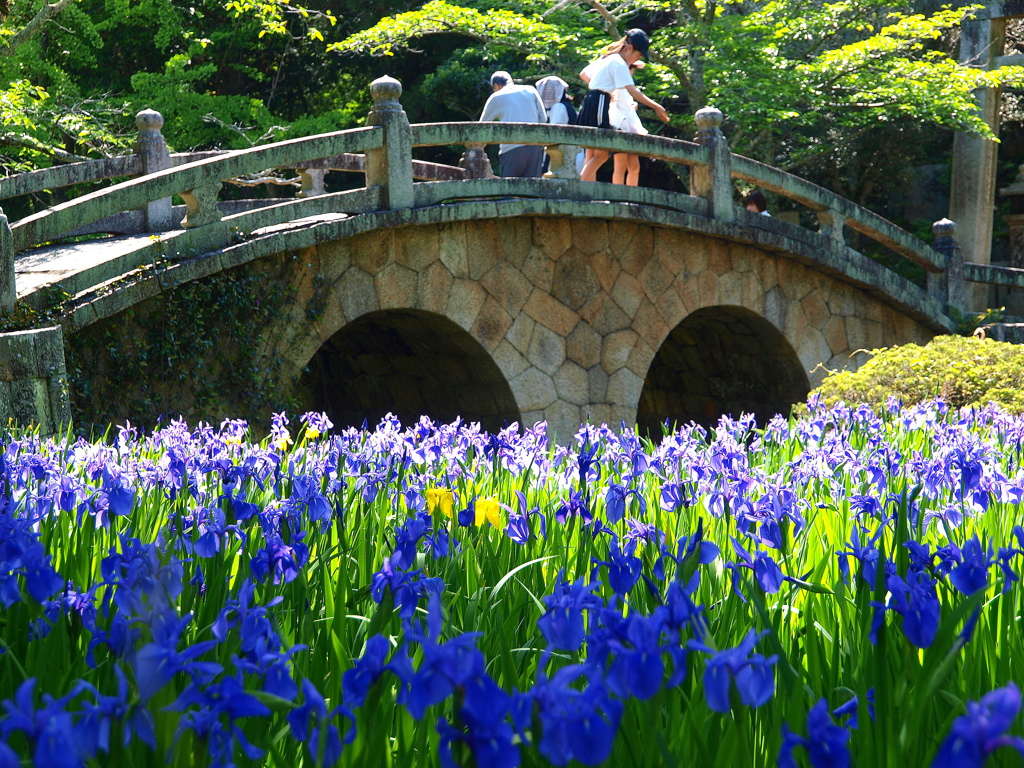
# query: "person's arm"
[[637, 94], [492, 110]]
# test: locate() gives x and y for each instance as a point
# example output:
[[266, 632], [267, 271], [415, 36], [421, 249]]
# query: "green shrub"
[[963, 371]]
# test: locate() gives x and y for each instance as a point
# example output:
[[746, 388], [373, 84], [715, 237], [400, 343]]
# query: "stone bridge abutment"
[[567, 320]]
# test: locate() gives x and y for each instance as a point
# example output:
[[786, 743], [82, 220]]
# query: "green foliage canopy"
[[795, 78]]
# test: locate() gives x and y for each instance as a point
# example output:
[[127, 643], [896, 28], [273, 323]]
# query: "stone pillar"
[[8, 288], [33, 379], [390, 166], [562, 163], [153, 155], [948, 287], [973, 183], [714, 180], [476, 162]]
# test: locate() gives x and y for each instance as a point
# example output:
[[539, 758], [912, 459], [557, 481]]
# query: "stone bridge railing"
[[384, 152]]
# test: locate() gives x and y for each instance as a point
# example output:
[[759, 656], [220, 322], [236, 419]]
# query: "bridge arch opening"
[[721, 360], [409, 363]]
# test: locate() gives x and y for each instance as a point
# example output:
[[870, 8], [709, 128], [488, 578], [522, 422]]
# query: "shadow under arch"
[[410, 363], [721, 360]]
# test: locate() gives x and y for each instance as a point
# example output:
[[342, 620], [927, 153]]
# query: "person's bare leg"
[[632, 170], [621, 162], [590, 168]]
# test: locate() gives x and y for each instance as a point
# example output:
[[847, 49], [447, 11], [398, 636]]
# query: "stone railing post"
[[390, 166], [948, 286], [312, 180], [714, 180], [830, 224], [33, 379], [476, 162], [562, 162], [201, 205], [153, 155], [8, 289]]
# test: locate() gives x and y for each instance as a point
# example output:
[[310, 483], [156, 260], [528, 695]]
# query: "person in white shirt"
[[511, 103], [623, 117], [605, 76]]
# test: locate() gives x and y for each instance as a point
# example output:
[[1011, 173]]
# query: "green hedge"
[[963, 371]]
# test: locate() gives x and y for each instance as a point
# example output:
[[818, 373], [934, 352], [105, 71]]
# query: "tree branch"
[[611, 23], [26, 33], [27, 142]]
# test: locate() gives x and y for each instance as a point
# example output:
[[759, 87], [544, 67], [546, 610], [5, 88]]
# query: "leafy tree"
[[798, 80]]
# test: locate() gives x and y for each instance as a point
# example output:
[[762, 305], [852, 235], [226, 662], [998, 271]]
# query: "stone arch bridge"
[[493, 299]]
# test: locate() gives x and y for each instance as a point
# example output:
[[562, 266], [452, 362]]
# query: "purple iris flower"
[[50, 729], [916, 601], [357, 681], [825, 742], [210, 709], [159, 661], [562, 624], [766, 571], [849, 709], [322, 737], [623, 570], [971, 574], [615, 501], [975, 735], [752, 674], [576, 723]]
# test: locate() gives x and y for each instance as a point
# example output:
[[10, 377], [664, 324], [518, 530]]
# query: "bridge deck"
[[82, 265]]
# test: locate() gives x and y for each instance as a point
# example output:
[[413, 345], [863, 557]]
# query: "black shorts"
[[594, 110]]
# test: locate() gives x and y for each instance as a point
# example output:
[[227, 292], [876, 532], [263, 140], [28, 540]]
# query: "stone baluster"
[[714, 180], [153, 157], [476, 162], [390, 166], [830, 224], [312, 180], [201, 206], [563, 162], [8, 290], [948, 286]]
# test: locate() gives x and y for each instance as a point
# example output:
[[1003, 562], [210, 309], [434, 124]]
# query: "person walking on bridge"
[[605, 76], [511, 103]]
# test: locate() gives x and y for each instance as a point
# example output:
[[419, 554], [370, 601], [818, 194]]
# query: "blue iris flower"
[[975, 735], [971, 574], [615, 501], [322, 737], [623, 570], [825, 742], [576, 723], [916, 601], [766, 571], [356, 682], [562, 624], [50, 729], [753, 675]]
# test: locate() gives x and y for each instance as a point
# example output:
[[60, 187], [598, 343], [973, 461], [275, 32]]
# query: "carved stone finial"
[[944, 228], [709, 118], [385, 89], [149, 120]]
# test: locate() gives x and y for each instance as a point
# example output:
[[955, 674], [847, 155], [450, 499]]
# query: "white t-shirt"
[[558, 114], [514, 104], [609, 73]]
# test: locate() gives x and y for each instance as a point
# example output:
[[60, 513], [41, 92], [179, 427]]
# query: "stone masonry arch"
[[572, 311]]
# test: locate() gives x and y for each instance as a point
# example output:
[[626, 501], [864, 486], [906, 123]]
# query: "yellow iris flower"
[[440, 500], [489, 510]]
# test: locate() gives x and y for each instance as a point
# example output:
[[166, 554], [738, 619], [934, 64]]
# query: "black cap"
[[639, 40]]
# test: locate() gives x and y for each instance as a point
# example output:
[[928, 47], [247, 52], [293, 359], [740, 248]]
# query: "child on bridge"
[[603, 77]]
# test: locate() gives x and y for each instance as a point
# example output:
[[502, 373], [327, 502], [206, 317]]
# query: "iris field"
[[840, 589]]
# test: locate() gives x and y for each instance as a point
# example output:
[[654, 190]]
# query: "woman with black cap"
[[604, 76]]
